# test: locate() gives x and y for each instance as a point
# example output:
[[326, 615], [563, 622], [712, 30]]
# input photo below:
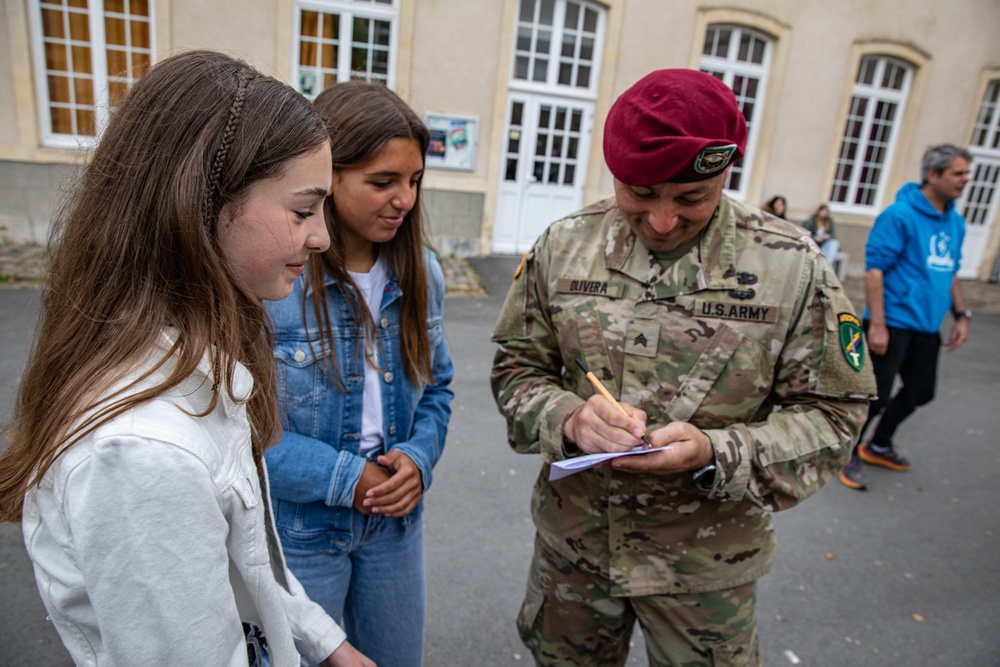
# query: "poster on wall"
[[453, 141]]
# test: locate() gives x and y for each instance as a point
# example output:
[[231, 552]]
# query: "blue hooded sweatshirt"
[[918, 251]]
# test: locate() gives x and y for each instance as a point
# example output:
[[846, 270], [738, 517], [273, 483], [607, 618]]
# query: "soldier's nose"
[[663, 219]]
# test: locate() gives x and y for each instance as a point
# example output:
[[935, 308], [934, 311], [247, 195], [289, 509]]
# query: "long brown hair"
[[136, 250], [362, 118]]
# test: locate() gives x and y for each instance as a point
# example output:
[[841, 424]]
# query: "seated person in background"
[[820, 225], [776, 206]]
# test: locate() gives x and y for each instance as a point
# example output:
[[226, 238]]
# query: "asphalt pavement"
[[904, 574]]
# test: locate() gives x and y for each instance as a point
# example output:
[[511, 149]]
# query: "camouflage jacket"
[[748, 336]]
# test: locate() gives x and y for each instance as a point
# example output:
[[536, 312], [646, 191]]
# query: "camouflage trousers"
[[569, 617]]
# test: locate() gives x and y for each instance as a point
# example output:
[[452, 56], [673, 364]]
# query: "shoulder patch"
[[852, 340], [520, 267]]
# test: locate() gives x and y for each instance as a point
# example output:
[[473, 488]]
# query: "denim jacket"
[[316, 467]]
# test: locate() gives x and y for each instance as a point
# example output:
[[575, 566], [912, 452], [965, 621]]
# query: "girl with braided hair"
[[363, 383], [135, 457]]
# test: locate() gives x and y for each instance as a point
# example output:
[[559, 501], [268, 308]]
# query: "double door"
[[545, 163]]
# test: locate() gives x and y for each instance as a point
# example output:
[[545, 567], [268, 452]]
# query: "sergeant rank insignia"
[[852, 340]]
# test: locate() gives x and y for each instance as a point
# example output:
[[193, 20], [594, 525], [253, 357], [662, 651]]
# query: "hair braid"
[[215, 175]]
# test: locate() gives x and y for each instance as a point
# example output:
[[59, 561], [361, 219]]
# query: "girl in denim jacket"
[[363, 383]]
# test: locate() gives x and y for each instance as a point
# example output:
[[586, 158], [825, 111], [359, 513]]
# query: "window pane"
[[117, 62], [587, 49], [521, 68], [516, 113], [310, 23], [866, 71], [140, 64], [382, 33], [329, 56], [52, 23], [331, 26], [541, 66], [307, 53], [568, 46], [527, 11], [117, 6], [139, 31], [81, 59], [545, 15], [572, 15], [744, 52], [544, 42], [524, 38], [59, 89], [85, 122], [583, 77], [62, 120], [116, 92], [569, 175], [138, 7], [359, 60], [56, 57], [590, 20], [565, 74], [360, 30], [79, 27]]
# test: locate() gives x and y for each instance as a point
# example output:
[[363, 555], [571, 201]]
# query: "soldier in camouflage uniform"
[[725, 337]]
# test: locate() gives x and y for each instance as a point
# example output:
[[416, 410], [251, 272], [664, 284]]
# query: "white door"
[[545, 160], [979, 206]]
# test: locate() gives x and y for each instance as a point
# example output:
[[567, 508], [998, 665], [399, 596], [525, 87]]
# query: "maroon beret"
[[676, 125]]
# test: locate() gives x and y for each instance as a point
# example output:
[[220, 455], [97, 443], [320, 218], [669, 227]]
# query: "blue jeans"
[[376, 586]]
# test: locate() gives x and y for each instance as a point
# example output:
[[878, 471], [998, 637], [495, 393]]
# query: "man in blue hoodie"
[[911, 261]]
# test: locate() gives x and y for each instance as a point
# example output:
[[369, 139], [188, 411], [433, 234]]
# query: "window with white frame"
[[740, 58], [980, 198], [557, 44], [339, 40], [88, 53], [985, 149], [877, 103]]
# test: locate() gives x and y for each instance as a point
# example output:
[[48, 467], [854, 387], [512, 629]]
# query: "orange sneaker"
[[889, 459], [852, 477]]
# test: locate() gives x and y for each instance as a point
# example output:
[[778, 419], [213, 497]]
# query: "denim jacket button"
[[384, 323], [388, 377], [392, 430], [299, 355]]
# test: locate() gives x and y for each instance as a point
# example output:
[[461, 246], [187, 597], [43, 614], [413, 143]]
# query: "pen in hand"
[[604, 392]]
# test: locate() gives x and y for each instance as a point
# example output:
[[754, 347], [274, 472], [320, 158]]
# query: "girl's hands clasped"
[[392, 488]]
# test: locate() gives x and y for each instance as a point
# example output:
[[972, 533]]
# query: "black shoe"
[[852, 477]]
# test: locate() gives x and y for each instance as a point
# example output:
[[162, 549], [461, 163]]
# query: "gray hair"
[[938, 158]]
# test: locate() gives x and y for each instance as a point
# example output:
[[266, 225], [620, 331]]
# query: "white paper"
[[567, 467]]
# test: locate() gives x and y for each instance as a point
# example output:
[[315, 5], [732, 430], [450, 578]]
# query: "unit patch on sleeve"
[[736, 311], [584, 286], [852, 340]]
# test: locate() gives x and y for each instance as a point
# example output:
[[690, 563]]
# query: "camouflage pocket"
[[730, 363]]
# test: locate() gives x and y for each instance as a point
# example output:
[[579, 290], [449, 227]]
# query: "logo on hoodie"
[[939, 256]]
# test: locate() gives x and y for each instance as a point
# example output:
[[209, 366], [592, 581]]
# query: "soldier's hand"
[[690, 449], [598, 426]]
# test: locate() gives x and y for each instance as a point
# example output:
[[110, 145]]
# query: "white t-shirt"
[[371, 287]]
